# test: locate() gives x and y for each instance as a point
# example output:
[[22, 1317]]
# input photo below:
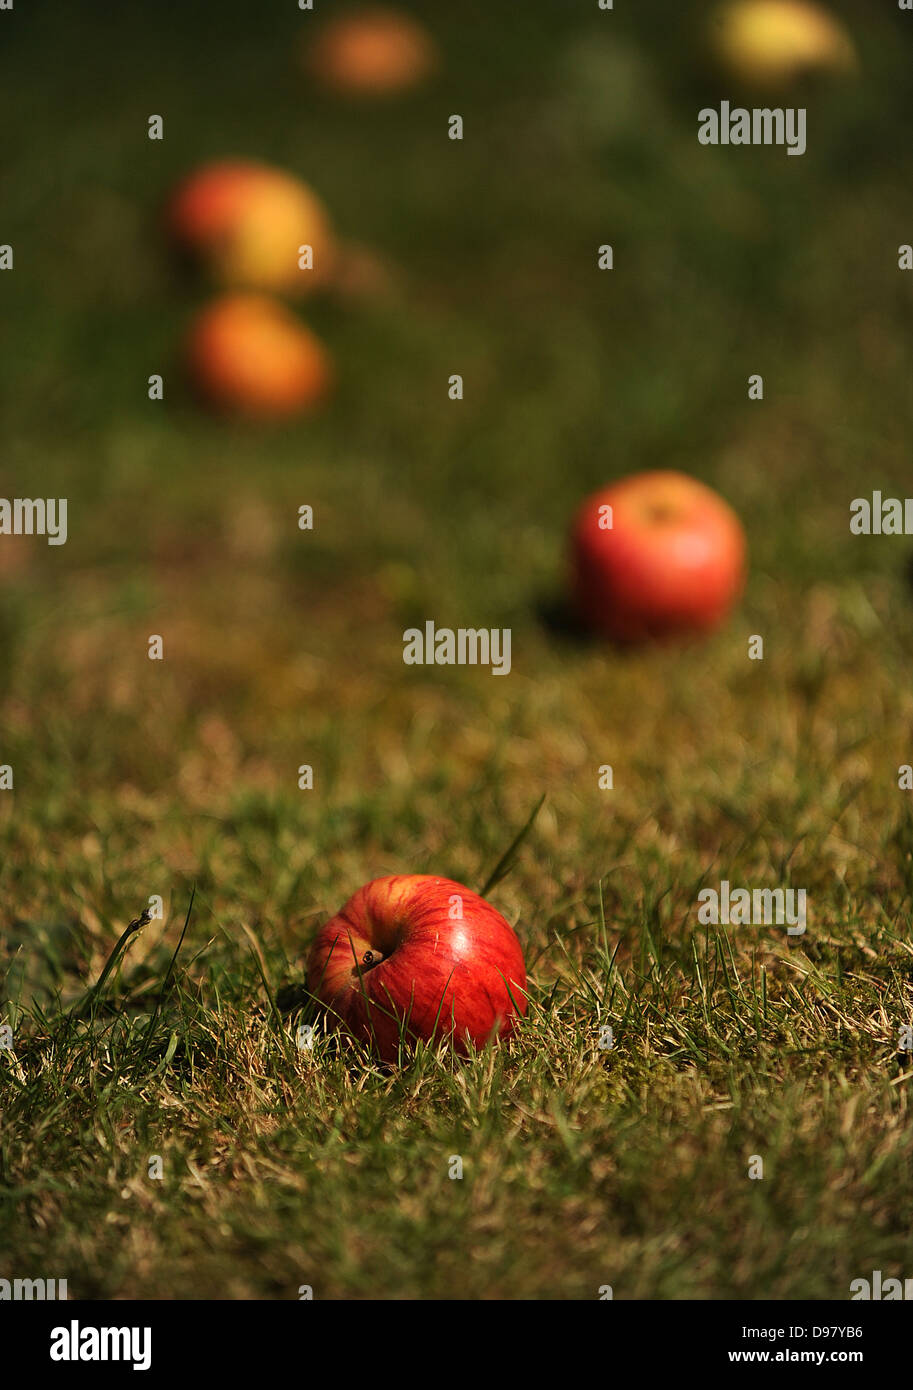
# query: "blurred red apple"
[[246, 222], [655, 555], [374, 51], [421, 956], [249, 355]]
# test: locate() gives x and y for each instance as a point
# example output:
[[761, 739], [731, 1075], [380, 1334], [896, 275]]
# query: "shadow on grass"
[[558, 619]]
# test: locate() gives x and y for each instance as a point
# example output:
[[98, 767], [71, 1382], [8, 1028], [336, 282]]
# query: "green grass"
[[581, 1167]]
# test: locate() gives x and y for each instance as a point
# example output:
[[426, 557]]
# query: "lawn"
[[582, 1167]]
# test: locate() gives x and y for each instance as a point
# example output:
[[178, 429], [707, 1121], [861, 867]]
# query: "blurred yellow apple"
[[248, 222], [769, 43]]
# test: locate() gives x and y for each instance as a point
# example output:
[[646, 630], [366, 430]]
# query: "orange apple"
[[249, 355], [655, 555], [246, 223], [769, 43], [373, 51]]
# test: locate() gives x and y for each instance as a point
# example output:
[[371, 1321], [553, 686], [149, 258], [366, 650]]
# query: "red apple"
[[656, 555], [419, 956], [249, 355], [246, 222]]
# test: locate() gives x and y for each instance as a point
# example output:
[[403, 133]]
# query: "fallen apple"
[[249, 355], [770, 43], [415, 956], [374, 51], [246, 223], [655, 555]]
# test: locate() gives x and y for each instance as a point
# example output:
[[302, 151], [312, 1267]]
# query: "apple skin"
[[673, 562], [373, 52], [249, 355], [445, 977], [245, 223], [770, 43]]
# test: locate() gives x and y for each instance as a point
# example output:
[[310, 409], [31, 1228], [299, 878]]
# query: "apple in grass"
[[770, 43], [416, 956], [247, 222], [374, 51], [249, 355], [655, 555]]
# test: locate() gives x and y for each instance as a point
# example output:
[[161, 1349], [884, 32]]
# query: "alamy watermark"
[[32, 1290], [464, 646], [34, 516], [761, 907], [78, 1343], [883, 516], [736, 125], [879, 1289]]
